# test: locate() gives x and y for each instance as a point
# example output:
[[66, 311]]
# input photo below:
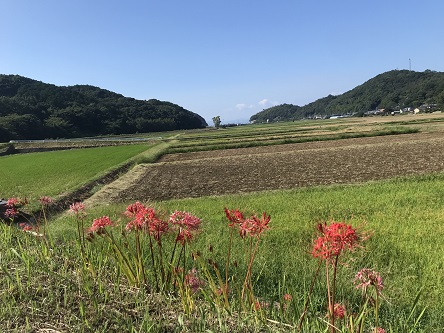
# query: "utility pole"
[[410, 64]]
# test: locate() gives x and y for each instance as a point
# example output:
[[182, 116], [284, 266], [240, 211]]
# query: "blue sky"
[[227, 58]]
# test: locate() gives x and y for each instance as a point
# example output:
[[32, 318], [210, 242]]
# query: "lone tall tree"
[[216, 121]]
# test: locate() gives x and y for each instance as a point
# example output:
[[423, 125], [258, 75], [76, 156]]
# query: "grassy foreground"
[[46, 285]]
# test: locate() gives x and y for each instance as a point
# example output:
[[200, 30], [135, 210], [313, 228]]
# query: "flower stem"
[[307, 301], [227, 265], [333, 288]]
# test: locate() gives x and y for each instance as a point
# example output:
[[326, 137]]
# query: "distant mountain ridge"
[[391, 91], [30, 109]]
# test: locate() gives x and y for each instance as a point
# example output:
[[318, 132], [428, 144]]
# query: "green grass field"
[[283, 133], [405, 215], [52, 173]]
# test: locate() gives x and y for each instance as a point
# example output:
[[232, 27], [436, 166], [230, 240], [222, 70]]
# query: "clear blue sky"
[[228, 58]]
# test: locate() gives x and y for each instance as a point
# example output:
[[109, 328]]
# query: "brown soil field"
[[278, 167]]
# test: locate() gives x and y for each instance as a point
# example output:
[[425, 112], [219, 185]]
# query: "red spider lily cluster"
[[252, 226], [16, 202], [12, 212], [259, 305], [186, 224], [145, 218], [13, 205], [334, 239], [99, 225], [367, 277]]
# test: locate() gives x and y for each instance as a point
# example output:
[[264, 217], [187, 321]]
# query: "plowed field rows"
[[283, 167]]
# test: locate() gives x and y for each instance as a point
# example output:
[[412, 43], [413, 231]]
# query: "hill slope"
[[391, 91], [31, 109]]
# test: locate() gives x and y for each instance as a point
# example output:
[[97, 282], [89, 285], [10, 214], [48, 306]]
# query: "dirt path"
[[278, 167]]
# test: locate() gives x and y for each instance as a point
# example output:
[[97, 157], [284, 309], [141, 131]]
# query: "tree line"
[[31, 109]]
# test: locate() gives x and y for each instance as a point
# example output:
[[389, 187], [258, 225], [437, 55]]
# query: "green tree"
[[216, 121]]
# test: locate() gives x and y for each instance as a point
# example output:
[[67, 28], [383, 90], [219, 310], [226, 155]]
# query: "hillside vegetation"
[[393, 90], [31, 109]]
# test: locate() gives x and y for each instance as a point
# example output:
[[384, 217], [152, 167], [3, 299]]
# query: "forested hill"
[[393, 90], [31, 109]]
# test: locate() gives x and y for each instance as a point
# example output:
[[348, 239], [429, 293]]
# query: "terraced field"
[[280, 167]]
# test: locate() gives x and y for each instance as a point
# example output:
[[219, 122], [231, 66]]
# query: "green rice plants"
[[56, 172]]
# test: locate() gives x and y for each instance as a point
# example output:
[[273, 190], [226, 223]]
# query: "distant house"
[[377, 112], [426, 108]]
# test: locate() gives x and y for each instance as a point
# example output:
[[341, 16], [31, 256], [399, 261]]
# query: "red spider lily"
[[234, 216], [258, 305], [45, 200], [339, 311], [77, 208], [334, 239], [133, 209], [25, 227], [258, 226], [145, 218], [193, 282], [99, 224], [185, 220], [184, 236], [11, 212], [16, 202], [252, 226], [187, 224], [367, 277], [380, 330], [12, 202], [287, 298], [157, 227], [141, 216]]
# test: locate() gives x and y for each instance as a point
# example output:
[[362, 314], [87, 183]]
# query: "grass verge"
[[47, 286]]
